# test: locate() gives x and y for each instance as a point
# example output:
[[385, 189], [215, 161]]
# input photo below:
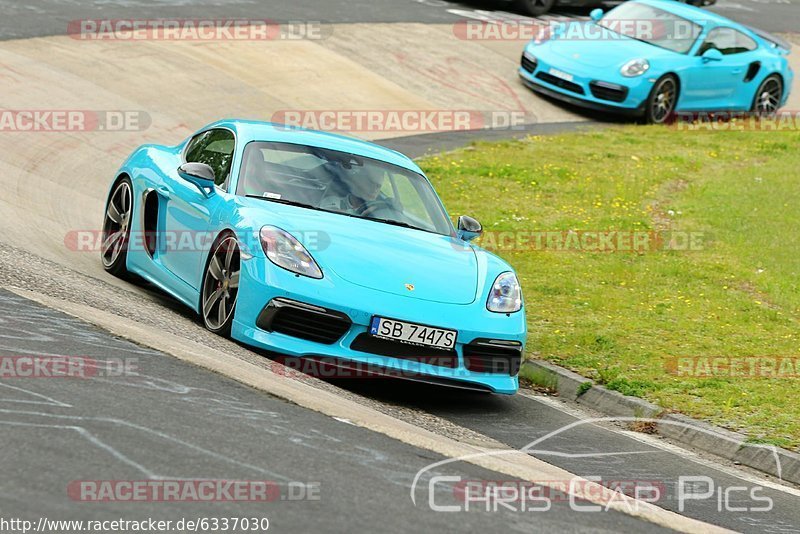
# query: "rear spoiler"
[[772, 39]]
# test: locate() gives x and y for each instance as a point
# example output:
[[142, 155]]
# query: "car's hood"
[[387, 258], [576, 46]]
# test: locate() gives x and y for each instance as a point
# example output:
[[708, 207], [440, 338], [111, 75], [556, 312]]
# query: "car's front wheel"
[[117, 229], [221, 285], [662, 100], [535, 8], [768, 96]]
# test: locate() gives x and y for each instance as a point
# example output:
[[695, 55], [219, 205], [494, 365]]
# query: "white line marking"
[[140, 428], [666, 446], [50, 401]]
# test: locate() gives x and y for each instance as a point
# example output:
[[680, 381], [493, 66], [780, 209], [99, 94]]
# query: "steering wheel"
[[370, 207]]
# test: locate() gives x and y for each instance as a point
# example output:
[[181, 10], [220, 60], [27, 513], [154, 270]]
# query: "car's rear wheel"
[[221, 285], [117, 229], [768, 96], [535, 8], [662, 100]]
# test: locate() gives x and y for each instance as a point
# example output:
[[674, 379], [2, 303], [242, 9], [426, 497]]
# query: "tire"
[[769, 95], [534, 8], [220, 288], [117, 229], [662, 100]]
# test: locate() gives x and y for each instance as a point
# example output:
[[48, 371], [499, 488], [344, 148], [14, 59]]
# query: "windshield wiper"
[[394, 223], [286, 201]]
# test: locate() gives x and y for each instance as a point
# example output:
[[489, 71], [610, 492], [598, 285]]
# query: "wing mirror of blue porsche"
[[596, 14], [468, 228], [199, 174], [712, 54]]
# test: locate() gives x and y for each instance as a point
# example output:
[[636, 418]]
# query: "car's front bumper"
[[585, 89], [262, 285]]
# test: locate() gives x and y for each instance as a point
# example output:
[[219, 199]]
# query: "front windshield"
[[652, 25], [339, 182]]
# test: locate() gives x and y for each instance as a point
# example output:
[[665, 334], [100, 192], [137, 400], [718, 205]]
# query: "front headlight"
[[505, 295], [634, 68], [285, 251]]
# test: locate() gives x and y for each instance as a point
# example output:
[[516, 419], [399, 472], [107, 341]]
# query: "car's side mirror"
[[199, 174], [468, 228], [596, 14], [712, 54]]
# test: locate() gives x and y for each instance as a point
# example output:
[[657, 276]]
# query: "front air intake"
[[304, 321]]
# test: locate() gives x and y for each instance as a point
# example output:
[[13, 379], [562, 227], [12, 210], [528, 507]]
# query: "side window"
[[728, 41], [215, 149]]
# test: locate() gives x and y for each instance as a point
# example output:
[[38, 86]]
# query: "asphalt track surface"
[[599, 450], [174, 421], [226, 430]]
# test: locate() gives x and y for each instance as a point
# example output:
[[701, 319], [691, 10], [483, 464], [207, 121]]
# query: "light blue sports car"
[[319, 246], [653, 58]]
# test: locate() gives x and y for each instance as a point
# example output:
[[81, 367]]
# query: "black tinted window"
[[215, 149], [728, 41]]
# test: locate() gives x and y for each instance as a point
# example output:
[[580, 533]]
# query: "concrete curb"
[[690, 432]]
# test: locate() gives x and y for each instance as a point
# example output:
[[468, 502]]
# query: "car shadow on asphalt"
[[417, 394], [509, 7], [602, 117]]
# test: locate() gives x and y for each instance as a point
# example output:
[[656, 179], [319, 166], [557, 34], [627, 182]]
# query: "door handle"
[[738, 71], [163, 191]]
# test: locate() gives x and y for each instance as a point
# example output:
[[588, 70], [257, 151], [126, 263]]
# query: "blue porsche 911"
[[315, 245], [653, 58]]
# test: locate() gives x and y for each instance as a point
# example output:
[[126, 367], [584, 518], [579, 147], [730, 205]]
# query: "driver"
[[360, 188]]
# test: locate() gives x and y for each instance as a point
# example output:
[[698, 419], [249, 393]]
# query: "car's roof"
[[251, 130], [693, 13]]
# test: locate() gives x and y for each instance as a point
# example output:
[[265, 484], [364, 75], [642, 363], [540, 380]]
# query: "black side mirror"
[[199, 174], [468, 228]]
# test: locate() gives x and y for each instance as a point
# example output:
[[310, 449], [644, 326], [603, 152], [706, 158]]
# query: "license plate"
[[563, 75], [414, 334]]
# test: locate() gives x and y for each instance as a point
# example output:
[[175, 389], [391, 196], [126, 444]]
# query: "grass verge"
[[624, 318]]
